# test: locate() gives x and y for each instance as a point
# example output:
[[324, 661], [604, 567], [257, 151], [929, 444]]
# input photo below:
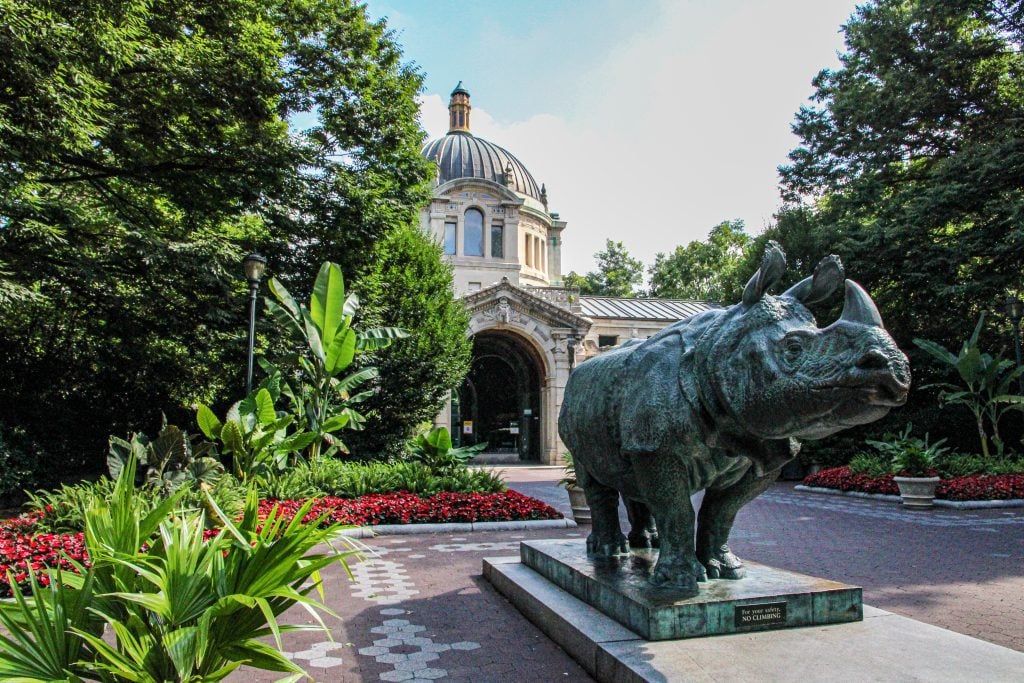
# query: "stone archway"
[[501, 399]]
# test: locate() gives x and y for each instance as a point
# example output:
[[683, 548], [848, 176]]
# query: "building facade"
[[505, 247]]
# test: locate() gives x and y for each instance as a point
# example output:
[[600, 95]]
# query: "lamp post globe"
[[255, 266]]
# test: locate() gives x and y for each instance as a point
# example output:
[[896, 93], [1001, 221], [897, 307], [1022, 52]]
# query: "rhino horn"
[[859, 308], [773, 265], [828, 275]]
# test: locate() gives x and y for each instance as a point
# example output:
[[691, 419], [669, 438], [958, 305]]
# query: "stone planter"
[[917, 492], [580, 508]]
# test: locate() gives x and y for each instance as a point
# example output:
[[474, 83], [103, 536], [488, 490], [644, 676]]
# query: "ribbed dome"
[[462, 155]]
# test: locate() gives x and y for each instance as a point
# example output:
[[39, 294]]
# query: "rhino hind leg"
[[605, 539], [643, 532], [714, 524]]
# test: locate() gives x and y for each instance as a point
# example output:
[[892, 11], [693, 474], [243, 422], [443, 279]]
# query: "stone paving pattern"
[[421, 610]]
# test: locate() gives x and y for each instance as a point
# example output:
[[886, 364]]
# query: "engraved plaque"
[[764, 614]]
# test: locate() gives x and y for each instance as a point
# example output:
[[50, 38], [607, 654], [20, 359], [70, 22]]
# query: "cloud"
[[676, 129]]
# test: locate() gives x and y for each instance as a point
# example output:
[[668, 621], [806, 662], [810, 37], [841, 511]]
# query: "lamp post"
[[1013, 308], [254, 265]]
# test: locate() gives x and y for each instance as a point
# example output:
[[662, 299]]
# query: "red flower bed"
[[976, 487], [407, 508], [22, 551]]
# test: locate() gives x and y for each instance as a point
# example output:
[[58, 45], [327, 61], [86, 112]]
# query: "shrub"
[[870, 464], [964, 465], [20, 464]]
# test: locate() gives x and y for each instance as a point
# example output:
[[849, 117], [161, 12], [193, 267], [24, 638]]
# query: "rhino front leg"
[[605, 539], [714, 524], [666, 493]]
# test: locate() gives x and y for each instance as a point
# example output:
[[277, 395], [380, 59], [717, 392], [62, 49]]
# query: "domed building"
[[492, 219]]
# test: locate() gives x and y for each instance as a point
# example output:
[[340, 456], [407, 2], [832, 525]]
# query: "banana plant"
[[326, 394], [986, 385], [254, 435]]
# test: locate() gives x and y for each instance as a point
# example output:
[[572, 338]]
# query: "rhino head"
[[766, 367]]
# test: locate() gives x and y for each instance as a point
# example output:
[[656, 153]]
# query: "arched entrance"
[[500, 400]]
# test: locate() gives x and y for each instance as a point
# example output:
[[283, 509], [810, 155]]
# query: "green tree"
[[617, 274], [911, 166], [411, 287], [701, 270], [144, 148]]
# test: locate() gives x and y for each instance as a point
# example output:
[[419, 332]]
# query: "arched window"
[[473, 233]]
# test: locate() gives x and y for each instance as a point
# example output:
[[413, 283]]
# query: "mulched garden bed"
[[974, 488], [22, 550]]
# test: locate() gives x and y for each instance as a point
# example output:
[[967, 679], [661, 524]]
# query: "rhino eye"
[[793, 348]]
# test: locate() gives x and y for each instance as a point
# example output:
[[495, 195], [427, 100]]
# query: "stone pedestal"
[[766, 599]]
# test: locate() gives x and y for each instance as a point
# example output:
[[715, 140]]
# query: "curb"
[[955, 504], [456, 527]]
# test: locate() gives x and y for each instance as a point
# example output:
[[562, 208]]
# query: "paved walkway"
[[422, 611]]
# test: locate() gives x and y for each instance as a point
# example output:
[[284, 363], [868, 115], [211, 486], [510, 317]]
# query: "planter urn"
[[917, 493], [580, 508]]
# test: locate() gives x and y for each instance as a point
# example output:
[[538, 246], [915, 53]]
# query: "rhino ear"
[[828, 275], [773, 265]]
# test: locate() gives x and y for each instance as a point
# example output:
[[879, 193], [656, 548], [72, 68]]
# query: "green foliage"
[[434, 449], [62, 510], [410, 286], [871, 464], [910, 167], [324, 397], [254, 436], [568, 479], [185, 609], [909, 455], [617, 274], [331, 477], [986, 385], [701, 270], [965, 465], [145, 149], [167, 462], [21, 463]]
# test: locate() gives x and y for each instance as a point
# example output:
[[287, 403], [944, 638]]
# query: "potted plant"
[[913, 464], [577, 497]]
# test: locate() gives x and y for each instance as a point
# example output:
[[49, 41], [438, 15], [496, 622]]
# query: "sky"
[[649, 121]]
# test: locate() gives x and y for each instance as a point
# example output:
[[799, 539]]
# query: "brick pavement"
[[420, 610]]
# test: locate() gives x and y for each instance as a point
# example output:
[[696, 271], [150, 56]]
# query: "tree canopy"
[[617, 274], [702, 270], [911, 168], [144, 148]]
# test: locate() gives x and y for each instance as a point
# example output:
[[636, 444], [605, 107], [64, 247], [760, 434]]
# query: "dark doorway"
[[499, 401]]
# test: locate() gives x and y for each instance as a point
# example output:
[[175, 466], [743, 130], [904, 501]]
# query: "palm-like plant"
[[325, 397], [184, 609], [986, 384]]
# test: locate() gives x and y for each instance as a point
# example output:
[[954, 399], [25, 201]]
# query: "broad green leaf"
[[379, 337], [313, 340], [440, 439], [326, 305], [936, 351], [265, 412], [351, 305], [335, 422], [231, 436], [282, 294], [350, 382], [209, 425], [970, 365], [341, 353]]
